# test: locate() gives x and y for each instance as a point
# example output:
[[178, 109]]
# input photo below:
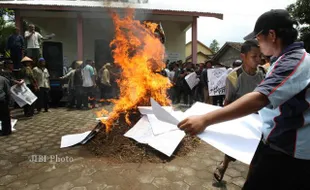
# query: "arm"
[[28, 34], [289, 77], [22, 42], [247, 104], [9, 43], [92, 74], [67, 75], [43, 37], [106, 76], [6, 89], [230, 92]]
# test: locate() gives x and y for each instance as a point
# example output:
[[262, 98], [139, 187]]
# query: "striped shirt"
[[286, 120]]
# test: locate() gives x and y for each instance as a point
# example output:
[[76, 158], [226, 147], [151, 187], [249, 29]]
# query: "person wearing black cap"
[[282, 158]]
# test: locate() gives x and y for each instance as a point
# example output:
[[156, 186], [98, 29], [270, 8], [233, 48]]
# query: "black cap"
[[271, 20]]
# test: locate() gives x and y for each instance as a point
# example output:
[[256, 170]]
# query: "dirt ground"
[[120, 149]]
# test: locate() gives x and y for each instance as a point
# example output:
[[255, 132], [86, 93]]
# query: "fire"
[[139, 54]]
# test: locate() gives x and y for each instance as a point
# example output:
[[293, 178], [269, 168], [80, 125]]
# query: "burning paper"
[[165, 143], [162, 136], [81, 138], [139, 53], [73, 139], [148, 109]]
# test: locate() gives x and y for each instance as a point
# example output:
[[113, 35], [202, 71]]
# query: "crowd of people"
[[280, 94], [87, 86], [181, 91]]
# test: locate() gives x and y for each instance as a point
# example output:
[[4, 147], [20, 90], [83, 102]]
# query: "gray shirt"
[[239, 83], [4, 89]]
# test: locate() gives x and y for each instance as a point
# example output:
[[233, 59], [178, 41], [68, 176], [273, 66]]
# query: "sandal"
[[219, 172]]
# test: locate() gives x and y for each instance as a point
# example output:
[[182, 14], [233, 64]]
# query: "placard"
[[217, 81]]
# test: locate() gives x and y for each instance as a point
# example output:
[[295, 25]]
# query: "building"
[[204, 53], [228, 53], [85, 28]]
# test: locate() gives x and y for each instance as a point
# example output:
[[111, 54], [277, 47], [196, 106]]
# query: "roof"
[[202, 45], [201, 53], [234, 45], [152, 6]]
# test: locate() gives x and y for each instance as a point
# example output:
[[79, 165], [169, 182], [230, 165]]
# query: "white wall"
[[99, 28], [175, 38], [65, 31], [96, 29]]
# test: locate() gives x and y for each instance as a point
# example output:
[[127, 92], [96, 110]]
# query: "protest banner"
[[216, 81], [192, 80]]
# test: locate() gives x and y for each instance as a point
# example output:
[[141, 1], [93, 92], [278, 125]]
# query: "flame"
[[139, 54]]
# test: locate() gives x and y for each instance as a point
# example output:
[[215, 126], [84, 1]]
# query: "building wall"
[[200, 58], [65, 31], [175, 38], [200, 48], [229, 56], [99, 29]]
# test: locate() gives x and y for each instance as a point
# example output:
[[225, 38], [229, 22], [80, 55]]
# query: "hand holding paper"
[[194, 125], [161, 114], [237, 138]]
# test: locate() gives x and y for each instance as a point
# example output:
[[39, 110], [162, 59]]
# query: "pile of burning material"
[[139, 53]]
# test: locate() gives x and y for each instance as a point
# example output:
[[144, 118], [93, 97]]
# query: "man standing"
[[28, 77], [15, 45], [204, 79], [240, 81], [89, 84], [4, 107], [33, 43], [105, 85], [41, 75]]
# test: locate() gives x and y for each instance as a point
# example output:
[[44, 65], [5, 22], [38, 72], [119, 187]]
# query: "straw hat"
[[79, 63], [26, 59], [108, 65]]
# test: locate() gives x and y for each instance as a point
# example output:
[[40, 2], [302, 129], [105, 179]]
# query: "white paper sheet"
[[13, 123], [163, 115], [165, 143], [160, 127], [22, 95], [144, 110], [192, 79], [141, 132], [101, 118], [74, 139], [237, 138]]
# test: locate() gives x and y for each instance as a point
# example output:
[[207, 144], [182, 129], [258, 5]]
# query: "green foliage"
[[214, 46], [6, 27], [301, 12]]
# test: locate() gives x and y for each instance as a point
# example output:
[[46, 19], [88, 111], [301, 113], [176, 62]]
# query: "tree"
[[6, 27], [214, 46], [301, 12]]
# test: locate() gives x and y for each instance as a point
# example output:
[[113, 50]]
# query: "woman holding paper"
[[282, 159]]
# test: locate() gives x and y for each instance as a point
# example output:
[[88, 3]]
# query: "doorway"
[[103, 53]]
